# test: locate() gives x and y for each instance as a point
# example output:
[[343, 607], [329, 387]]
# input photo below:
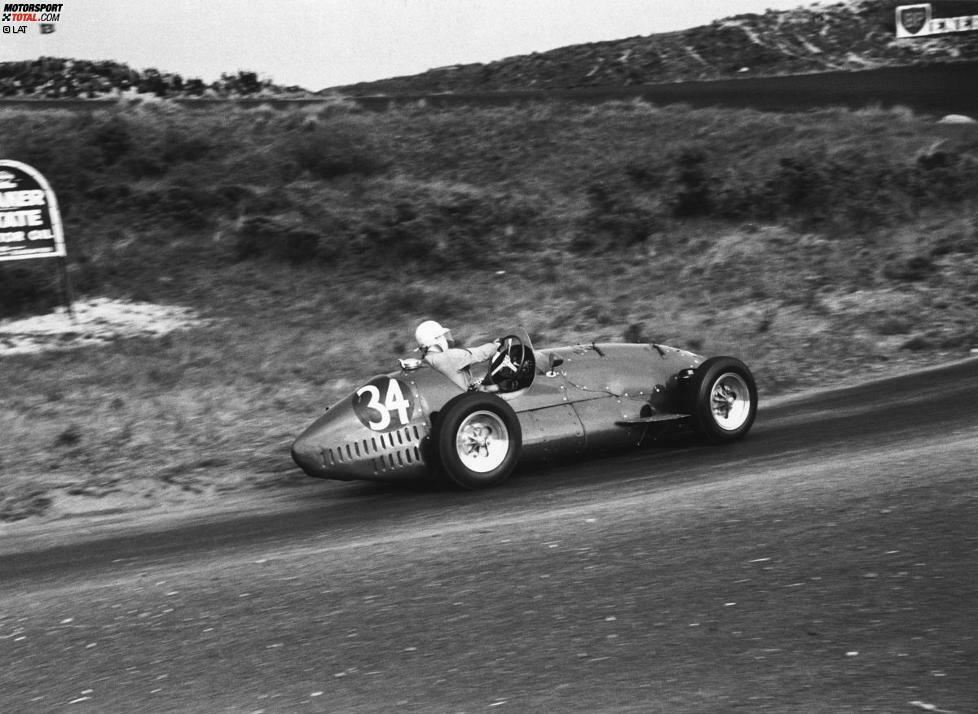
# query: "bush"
[[263, 236], [330, 152], [254, 235], [801, 186], [614, 218], [188, 206], [635, 332], [180, 144], [845, 191], [29, 288], [296, 245], [110, 196], [113, 139], [694, 190], [440, 227], [916, 268]]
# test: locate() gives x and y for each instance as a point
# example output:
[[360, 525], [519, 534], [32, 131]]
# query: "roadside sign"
[[919, 21], [30, 224]]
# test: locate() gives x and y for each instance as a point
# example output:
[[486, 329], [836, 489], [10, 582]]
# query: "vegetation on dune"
[[810, 244]]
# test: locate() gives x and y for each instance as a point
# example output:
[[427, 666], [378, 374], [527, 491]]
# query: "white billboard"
[[30, 224]]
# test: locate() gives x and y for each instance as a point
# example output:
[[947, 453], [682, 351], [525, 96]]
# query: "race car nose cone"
[[345, 442], [318, 449], [306, 455]]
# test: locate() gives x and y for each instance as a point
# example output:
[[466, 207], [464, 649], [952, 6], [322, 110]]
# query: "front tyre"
[[478, 438], [724, 399]]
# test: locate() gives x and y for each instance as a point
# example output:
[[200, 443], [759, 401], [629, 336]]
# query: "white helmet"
[[430, 334]]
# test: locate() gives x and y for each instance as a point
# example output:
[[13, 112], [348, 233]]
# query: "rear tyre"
[[724, 399], [478, 438]]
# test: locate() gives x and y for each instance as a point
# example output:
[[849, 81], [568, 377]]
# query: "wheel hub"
[[730, 401], [482, 441]]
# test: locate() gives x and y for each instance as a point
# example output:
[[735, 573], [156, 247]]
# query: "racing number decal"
[[384, 404]]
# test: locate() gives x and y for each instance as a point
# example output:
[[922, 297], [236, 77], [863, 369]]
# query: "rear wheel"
[[724, 399], [478, 438]]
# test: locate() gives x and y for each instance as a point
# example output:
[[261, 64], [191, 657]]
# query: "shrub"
[[28, 288], [613, 218], [894, 325], [113, 139], [848, 190], [180, 144], [71, 436], [144, 165], [635, 332], [253, 236], [263, 236], [441, 227], [645, 174], [296, 245], [916, 268], [234, 195], [917, 343], [188, 206], [801, 186], [694, 187], [332, 151]]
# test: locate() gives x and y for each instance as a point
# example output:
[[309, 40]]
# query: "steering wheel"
[[511, 365]]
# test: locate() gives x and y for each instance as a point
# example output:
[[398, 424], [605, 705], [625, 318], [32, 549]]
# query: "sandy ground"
[[95, 321]]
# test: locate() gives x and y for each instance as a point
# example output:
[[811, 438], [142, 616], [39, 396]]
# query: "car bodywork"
[[592, 397]]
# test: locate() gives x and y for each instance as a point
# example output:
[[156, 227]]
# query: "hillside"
[[852, 35], [844, 36]]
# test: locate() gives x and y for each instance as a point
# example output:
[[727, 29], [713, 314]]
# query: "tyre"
[[723, 399], [478, 439]]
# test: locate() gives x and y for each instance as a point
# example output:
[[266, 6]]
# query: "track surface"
[[827, 563]]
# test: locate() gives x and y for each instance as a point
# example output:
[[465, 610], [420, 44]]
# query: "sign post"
[[30, 223]]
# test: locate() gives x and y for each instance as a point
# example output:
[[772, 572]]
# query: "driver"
[[435, 344]]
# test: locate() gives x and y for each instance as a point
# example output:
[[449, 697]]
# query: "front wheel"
[[724, 399], [478, 437]]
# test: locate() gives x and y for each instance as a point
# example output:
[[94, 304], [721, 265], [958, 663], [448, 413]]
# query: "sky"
[[325, 43]]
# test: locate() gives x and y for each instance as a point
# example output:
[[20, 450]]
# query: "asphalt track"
[[827, 563]]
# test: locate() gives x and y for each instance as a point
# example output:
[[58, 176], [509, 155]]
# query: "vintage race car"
[[586, 398]]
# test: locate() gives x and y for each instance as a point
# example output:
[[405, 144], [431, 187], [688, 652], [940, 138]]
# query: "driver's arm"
[[479, 354], [483, 352]]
